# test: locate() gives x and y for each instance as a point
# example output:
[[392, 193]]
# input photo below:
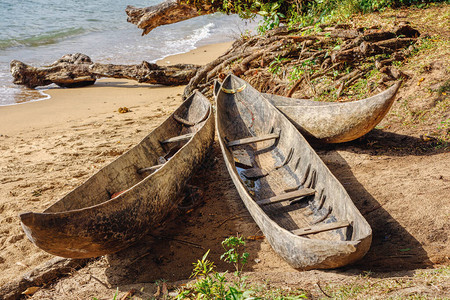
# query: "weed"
[[203, 267], [213, 285], [271, 16], [233, 255], [444, 124], [296, 73], [275, 66]]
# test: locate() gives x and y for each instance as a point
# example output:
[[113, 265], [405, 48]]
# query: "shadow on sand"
[[211, 212]]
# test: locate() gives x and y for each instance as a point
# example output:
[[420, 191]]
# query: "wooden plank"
[[242, 159], [254, 139], [255, 173], [287, 196], [179, 138], [321, 228]]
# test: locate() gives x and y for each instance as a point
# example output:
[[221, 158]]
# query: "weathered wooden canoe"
[[333, 122], [302, 209], [93, 220]]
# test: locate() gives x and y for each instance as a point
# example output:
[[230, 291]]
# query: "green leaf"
[[206, 255]]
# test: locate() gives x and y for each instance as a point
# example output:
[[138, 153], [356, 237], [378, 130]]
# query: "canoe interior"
[[245, 114], [122, 174]]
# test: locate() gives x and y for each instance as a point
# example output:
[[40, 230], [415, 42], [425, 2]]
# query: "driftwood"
[[41, 275], [254, 58], [74, 70]]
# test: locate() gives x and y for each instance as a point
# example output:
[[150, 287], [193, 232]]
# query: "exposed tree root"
[[285, 61]]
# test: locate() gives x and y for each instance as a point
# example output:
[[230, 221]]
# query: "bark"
[[345, 33], [167, 12], [74, 70]]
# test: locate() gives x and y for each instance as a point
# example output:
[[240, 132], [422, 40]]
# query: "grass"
[[423, 284]]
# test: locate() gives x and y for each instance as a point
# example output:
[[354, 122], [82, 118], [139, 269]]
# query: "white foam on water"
[[8, 96], [188, 43]]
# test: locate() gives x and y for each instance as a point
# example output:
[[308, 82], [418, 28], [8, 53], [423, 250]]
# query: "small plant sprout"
[[202, 267], [233, 255]]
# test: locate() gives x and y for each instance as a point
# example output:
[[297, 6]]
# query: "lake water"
[[39, 32]]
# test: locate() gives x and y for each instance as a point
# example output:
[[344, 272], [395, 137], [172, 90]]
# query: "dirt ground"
[[398, 175]]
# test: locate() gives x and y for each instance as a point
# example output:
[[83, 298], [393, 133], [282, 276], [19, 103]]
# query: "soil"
[[398, 175]]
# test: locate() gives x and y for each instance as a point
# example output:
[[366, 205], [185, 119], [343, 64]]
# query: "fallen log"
[[75, 70], [298, 52]]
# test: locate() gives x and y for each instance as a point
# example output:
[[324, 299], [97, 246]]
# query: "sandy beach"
[[49, 147]]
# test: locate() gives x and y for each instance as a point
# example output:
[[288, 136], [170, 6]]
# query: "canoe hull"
[[330, 122], [68, 230], [300, 252]]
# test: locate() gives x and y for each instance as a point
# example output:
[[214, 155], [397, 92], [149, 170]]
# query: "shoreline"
[[171, 59], [70, 104]]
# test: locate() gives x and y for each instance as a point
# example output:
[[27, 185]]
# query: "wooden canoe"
[[304, 212], [334, 122], [129, 197]]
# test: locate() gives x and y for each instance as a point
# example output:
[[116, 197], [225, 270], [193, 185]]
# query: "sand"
[[49, 147]]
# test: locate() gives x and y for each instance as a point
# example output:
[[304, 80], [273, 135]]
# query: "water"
[[38, 32]]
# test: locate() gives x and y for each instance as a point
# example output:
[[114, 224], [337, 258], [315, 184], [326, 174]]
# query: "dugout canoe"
[[334, 122], [304, 212], [129, 197]]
